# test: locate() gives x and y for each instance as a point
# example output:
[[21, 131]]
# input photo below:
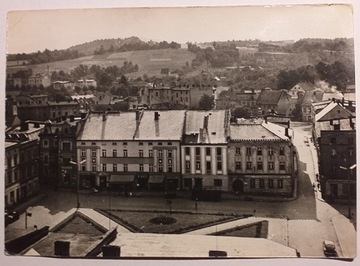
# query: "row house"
[[261, 158], [58, 150], [335, 135], [204, 150], [183, 95], [21, 163], [131, 149], [47, 110]]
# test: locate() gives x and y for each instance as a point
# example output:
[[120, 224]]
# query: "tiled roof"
[[269, 97], [306, 86], [216, 128], [9, 144], [116, 126], [325, 125], [168, 127], [257, 131], [344, 112], [312, 96]]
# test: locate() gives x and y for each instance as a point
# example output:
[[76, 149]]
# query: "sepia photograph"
[[156, 133]]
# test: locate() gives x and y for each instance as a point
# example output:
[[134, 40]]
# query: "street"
[[309, 220]]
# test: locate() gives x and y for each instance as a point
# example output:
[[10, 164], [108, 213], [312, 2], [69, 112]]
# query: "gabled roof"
[[306, 86], [312, 96], [333, 110], [116, 126], [257, 131], [169, 126], [270, 97], [215, 132]]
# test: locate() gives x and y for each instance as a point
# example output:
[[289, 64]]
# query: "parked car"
[[11, 216], [329, 249]]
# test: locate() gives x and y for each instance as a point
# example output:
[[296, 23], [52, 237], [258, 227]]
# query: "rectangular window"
[[114, 152], [237, 151], [160, 143], [237, 165], [280, 183], [252, 183], [282, 151], [187, 166], [93, 143], [259, 151], [282, 166], [114, 143], [208, 151], [141, 153], [248, 165], [151, 153], [104, 168], [160, 153], [160, 168], [141, 167], [93, 153], [219, 166], [125, 143], [218, 151], [217, 183], [141, 143], [271, 183], [125, 153], [66, 146], [93, 167], [248, 151], [270, 151], [103, 153], [261, 183], [197, 165], [259, 165], [208, 167], [271, 166], [197, 151], [150, 144], [83, 153], [169, 143], [151, 168], [83, 167], [83, 143], [187, 150], [114, 167], [125, 167], [46, 143], [170, 153]]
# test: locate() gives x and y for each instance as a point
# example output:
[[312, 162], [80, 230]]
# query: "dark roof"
[[267, 96], [306, 86]]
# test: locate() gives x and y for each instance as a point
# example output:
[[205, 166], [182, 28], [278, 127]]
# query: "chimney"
[[72, 118], [333, 99], [343, 101], [206, 122], [352, 125], [287, 132], [288, 123], [36, 125], [265, 117], [24, 126], [104, 116], [111, 251], [350, 103], [137, 115], [156, 116], [83, 115], [62, 248]]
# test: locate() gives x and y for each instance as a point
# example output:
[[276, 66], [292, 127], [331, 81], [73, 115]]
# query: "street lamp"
[[348, 169], [77, 181]]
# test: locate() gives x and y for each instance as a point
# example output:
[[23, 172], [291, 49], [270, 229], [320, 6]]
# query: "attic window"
[[213, 133]]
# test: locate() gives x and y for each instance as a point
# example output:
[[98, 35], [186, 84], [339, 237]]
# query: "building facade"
[[142, 154], [40, 80], [261, 158]]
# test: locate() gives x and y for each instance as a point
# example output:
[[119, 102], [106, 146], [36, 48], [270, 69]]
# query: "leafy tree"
[[242, 112], [206, 102]]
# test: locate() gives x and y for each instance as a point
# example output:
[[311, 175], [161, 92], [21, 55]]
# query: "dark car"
[[11, 216], [329, 249]]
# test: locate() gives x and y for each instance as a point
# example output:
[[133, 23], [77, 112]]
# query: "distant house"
[[273, 101], [305, 102], [63, 84], [301, 87], [39, 79], [85, 83]]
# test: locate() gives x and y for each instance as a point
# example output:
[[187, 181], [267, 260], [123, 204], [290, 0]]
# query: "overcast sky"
[[30, 31]]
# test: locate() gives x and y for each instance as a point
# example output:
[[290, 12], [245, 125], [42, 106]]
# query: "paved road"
[[308, 221]]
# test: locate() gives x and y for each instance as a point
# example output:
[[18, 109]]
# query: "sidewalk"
[[346, 234]]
